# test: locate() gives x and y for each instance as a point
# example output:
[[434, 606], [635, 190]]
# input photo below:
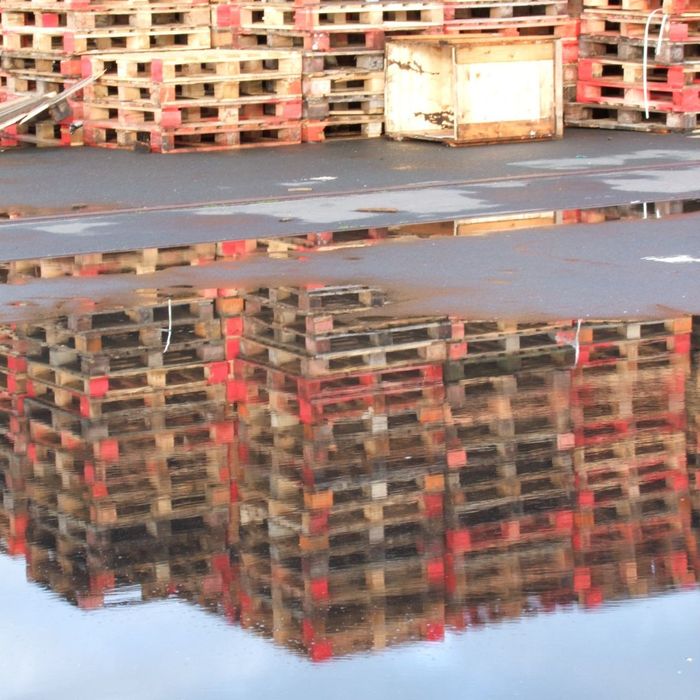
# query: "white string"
[[576, 343], [169, 329], [645, 60]]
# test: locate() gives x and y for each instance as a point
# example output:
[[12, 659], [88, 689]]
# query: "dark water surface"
[[299, 491]]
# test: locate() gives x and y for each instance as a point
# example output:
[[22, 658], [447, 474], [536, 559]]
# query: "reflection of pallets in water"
[[408, 538], [646, 350], [663, 501], [325, 336], [468, 489], [320, 298], [117, 408], [355, 585], [464, 613], [496, 574], [123, 353], [251, 377], [358, 360], [614, 429], [191, 437], [128, 384], [388, 447], [510, 529], [164, 507], [656, 532], [504, 363], [329, 240], [632, 575], [129, 423], [347, 467], [333, 508], [424, 404], [637, 451], [92, 323], [136, 262], [624, 490]]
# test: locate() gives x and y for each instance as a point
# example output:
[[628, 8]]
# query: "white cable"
[[169, 329], [576, 343], [644, 208], [645, 60]]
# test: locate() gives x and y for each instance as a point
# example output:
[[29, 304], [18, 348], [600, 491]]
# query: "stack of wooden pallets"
[[342, 63], [343, 42], [628, 402], [341, 473], [622, 75], [43, 43], [185, 100]]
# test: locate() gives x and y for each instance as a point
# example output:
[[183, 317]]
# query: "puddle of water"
[[309, 479], [337, 484]]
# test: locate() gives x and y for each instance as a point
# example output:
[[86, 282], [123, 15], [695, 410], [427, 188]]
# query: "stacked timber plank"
[[633, 517], [341, 472], [622, 75]]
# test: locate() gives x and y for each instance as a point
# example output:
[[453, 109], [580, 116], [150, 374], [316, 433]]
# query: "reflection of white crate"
[[474, 89]]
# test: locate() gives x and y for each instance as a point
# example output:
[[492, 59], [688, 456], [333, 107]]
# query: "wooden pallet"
[[342, 17], [342, 127], [625, 48], [631, 24]]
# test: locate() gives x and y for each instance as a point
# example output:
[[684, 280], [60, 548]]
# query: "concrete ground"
[[89, 200]]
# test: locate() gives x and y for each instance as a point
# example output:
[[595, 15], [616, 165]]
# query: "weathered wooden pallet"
[[670, 7], [632, 24], [119, 17], [341, 16], [191, 138], [189, 75], [63, 42], [624, 48], [42, 134], [320, 40], [660, 97]]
